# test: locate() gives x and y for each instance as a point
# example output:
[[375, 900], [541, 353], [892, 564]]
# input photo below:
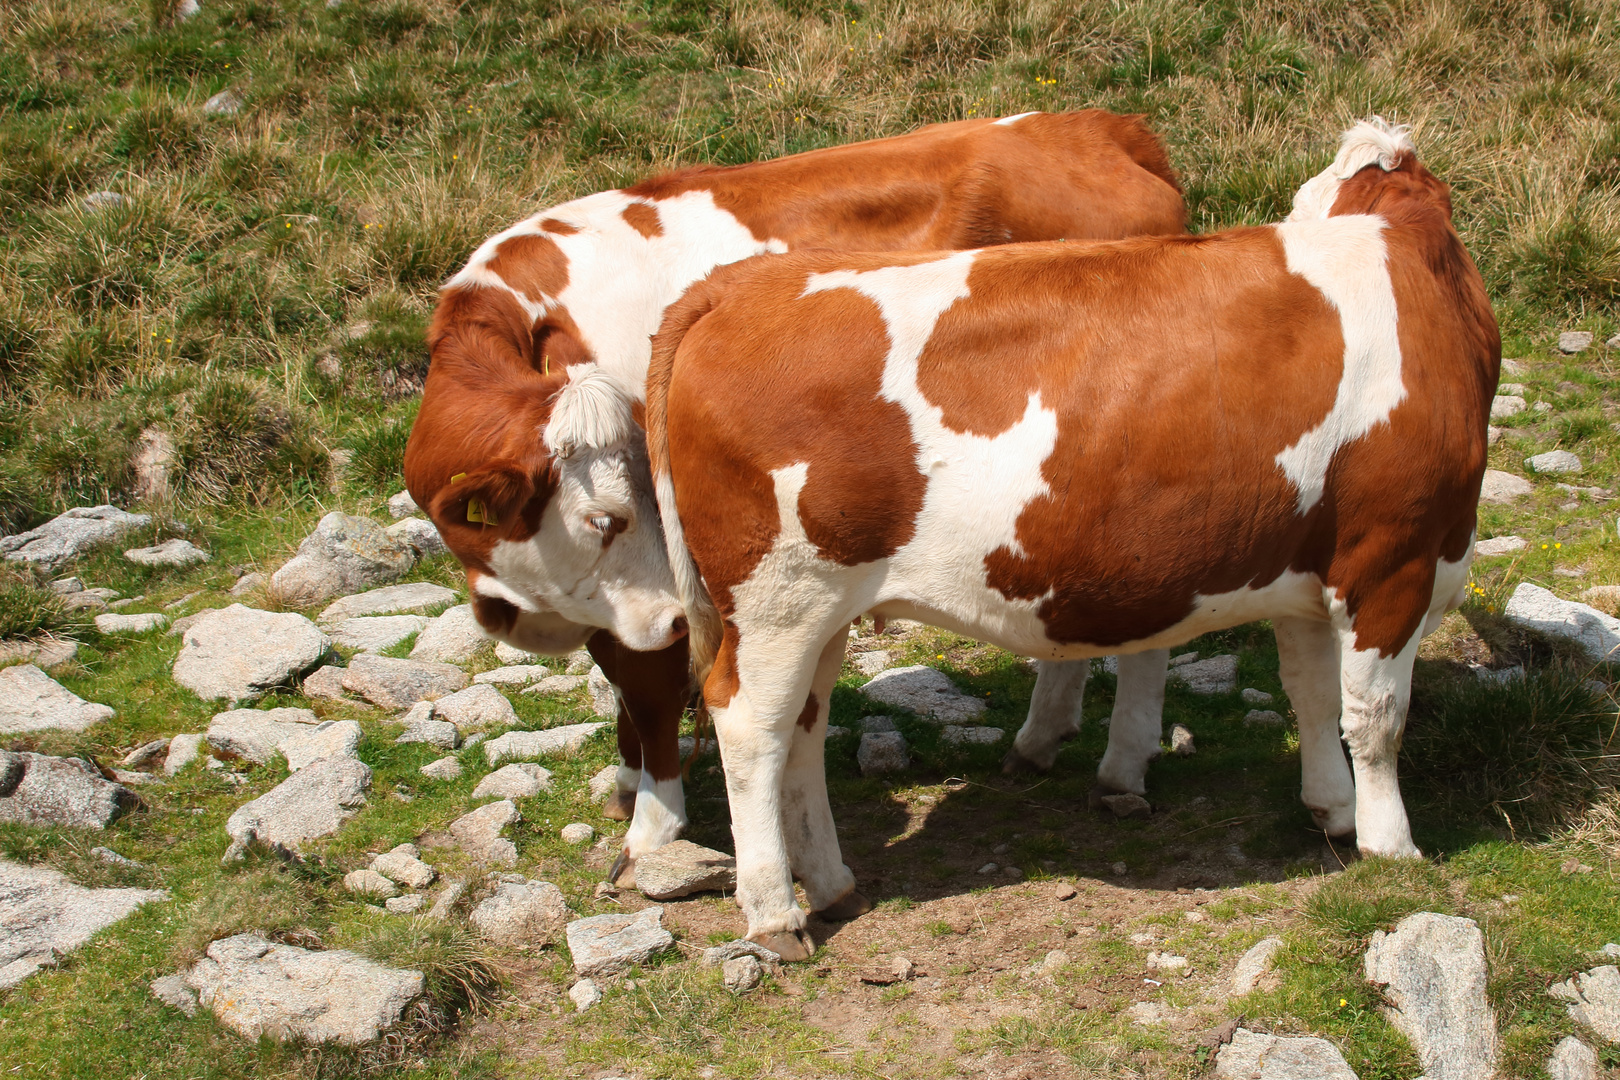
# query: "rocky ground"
[[298, 815]]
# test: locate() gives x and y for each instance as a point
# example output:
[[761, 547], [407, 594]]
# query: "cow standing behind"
[[554, 521], [1071, 450]]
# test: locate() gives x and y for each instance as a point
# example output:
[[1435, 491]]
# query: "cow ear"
[[591, 412], [490, 497]]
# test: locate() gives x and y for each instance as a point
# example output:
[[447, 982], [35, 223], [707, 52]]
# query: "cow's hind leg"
[[1054, 715], [1377, 644], [807, 823], [1308, 655], [1134, 726]]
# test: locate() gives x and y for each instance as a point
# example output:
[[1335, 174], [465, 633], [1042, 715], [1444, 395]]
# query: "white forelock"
[[1372, 141], [591, 411]]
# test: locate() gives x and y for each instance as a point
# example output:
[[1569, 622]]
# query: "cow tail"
[[702, 617]]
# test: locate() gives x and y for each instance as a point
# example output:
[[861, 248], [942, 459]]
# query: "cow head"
[[539, 484]]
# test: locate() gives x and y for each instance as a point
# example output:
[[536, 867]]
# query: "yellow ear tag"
[[477, 513]]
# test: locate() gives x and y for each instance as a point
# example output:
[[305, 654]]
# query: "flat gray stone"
[[1574, 341], [513, 675], [878, 723], [31, 700], [609, 944], [343, 555], [445, 903], [584, 994], [399, 684], [325, 682], [479, 833], [1217, 675], [576, 833], [519, 780], [421, 534], [1433, 970], [604, 702], [256, 734], [174, 552], [603, 782], [1537, 609], [453, 638], [1263, 718], [1499, 545], [527, 745], [1506, 405], [953, 735], [557, 685], [313, 802], [521, 915], [1572, 1060], [402, 865], [1594, 1000], [1553, 461], [47, 653], [478, 706], [873, 662], [882, 753], [402, 505], [409, 904], [440, 733], [1503, 487], [224, 103], [257, 988], [71, 534], [329, 739], [1250, 1056], [173, 992], [183, 750], [369, 883], [43, 790], [1181, 741], [1253, 965], [682, 868], [742, 974], [43, 914], [374, 633], [238, 653], [249, 583], [145, 754], [446, 768], [113, 623], [413, 597], [927, 692], [1128, 806]]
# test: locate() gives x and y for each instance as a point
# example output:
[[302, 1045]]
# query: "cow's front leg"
[[1054, 715], [652, 689], [1135, 725], [807, 822]]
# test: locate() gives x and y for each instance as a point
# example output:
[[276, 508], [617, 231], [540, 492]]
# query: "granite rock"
[[31, 700], [343, 555], [238, 653], [44, 790]]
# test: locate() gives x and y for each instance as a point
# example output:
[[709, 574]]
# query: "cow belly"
[[983, 613]]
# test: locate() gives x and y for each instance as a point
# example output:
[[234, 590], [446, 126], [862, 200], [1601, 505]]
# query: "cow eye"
[[606, 524]]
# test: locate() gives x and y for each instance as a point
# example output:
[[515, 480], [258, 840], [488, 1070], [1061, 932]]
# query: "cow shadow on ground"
[[955, 825]]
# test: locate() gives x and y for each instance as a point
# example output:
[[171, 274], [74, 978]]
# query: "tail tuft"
[[1373, 141]]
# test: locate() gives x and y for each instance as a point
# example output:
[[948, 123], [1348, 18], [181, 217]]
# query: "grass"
[[259, 296]]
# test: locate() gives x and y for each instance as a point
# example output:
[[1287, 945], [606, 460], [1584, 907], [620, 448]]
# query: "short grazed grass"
[[259, 298]]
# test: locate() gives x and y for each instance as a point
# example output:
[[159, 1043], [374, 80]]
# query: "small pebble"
[[577, 833], [988, 868], [584, 994]]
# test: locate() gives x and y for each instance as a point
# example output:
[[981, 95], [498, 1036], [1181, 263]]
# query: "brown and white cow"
[[527, 450], [1072, 450]]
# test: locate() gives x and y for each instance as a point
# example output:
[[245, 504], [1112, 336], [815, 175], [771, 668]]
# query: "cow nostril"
[[678, 627]]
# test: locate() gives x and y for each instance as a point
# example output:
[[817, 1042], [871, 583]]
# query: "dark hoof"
[[791, 945], [852, 905], [623, 873], [620, 806], [1015, 764]]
